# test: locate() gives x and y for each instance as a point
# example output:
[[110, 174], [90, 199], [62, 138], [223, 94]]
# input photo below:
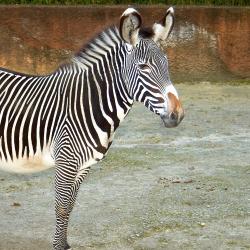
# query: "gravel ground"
[[183, 188]]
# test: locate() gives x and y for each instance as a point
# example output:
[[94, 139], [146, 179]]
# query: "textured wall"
[[207, 43]]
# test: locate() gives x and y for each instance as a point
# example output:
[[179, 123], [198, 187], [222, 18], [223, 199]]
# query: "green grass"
[[167, 2]]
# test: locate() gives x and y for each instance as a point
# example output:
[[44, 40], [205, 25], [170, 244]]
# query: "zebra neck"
[[102, 61]]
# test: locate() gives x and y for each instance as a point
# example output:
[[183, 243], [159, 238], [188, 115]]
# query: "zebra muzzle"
[[175, 113]]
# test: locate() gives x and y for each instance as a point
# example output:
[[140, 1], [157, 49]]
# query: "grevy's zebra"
[[68, 118]]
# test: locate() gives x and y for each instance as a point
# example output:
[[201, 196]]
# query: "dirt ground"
[[158, 188]]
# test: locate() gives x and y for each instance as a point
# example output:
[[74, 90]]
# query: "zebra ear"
[[130, 24], [164, 28]]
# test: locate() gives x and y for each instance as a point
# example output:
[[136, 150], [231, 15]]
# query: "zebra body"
[[43, 106], [18, 152], [68, 119]]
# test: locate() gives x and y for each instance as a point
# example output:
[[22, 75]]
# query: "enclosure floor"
[[158, 188]]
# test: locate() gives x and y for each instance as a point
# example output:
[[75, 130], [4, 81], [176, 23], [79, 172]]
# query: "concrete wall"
[[206, 44]]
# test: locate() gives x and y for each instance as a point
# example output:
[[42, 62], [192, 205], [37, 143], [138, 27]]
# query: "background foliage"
[[168, 2]]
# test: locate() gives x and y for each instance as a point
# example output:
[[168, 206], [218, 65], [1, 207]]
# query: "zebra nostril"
[[173, 116]]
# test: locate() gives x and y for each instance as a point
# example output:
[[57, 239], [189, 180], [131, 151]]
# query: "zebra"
[[68, 118]]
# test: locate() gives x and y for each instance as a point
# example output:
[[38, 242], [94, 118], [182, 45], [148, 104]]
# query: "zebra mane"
[[101, 45], [103, 37], [98, 46]]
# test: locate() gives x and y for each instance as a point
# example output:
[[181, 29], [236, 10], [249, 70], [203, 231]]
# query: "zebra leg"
[[67, 184]]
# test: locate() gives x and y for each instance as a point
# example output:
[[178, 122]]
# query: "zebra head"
[[146, 66]]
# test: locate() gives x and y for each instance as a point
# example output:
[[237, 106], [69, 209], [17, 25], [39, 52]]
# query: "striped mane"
[[99, 45], [103, 43]]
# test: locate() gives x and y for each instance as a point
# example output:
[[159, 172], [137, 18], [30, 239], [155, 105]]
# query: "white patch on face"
[[171, 89]]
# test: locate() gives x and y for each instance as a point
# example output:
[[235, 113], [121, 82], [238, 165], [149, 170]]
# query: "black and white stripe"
[[68, 118]]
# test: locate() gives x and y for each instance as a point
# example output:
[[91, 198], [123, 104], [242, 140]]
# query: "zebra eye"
[[144, 67]]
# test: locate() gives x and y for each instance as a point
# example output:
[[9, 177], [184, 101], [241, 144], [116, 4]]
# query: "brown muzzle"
[[175, 113]]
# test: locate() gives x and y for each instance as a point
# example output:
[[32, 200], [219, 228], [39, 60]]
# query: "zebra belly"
[[34, 163]]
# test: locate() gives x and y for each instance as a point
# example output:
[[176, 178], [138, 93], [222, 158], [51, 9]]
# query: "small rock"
[[162, 178], [202, 224], [176, 181], [188, 181], [16, 204]]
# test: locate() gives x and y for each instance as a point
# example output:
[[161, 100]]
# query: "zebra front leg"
[[67, 184]]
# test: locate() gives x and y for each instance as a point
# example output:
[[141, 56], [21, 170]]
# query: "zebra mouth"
[[171, 120], [169, 124]]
